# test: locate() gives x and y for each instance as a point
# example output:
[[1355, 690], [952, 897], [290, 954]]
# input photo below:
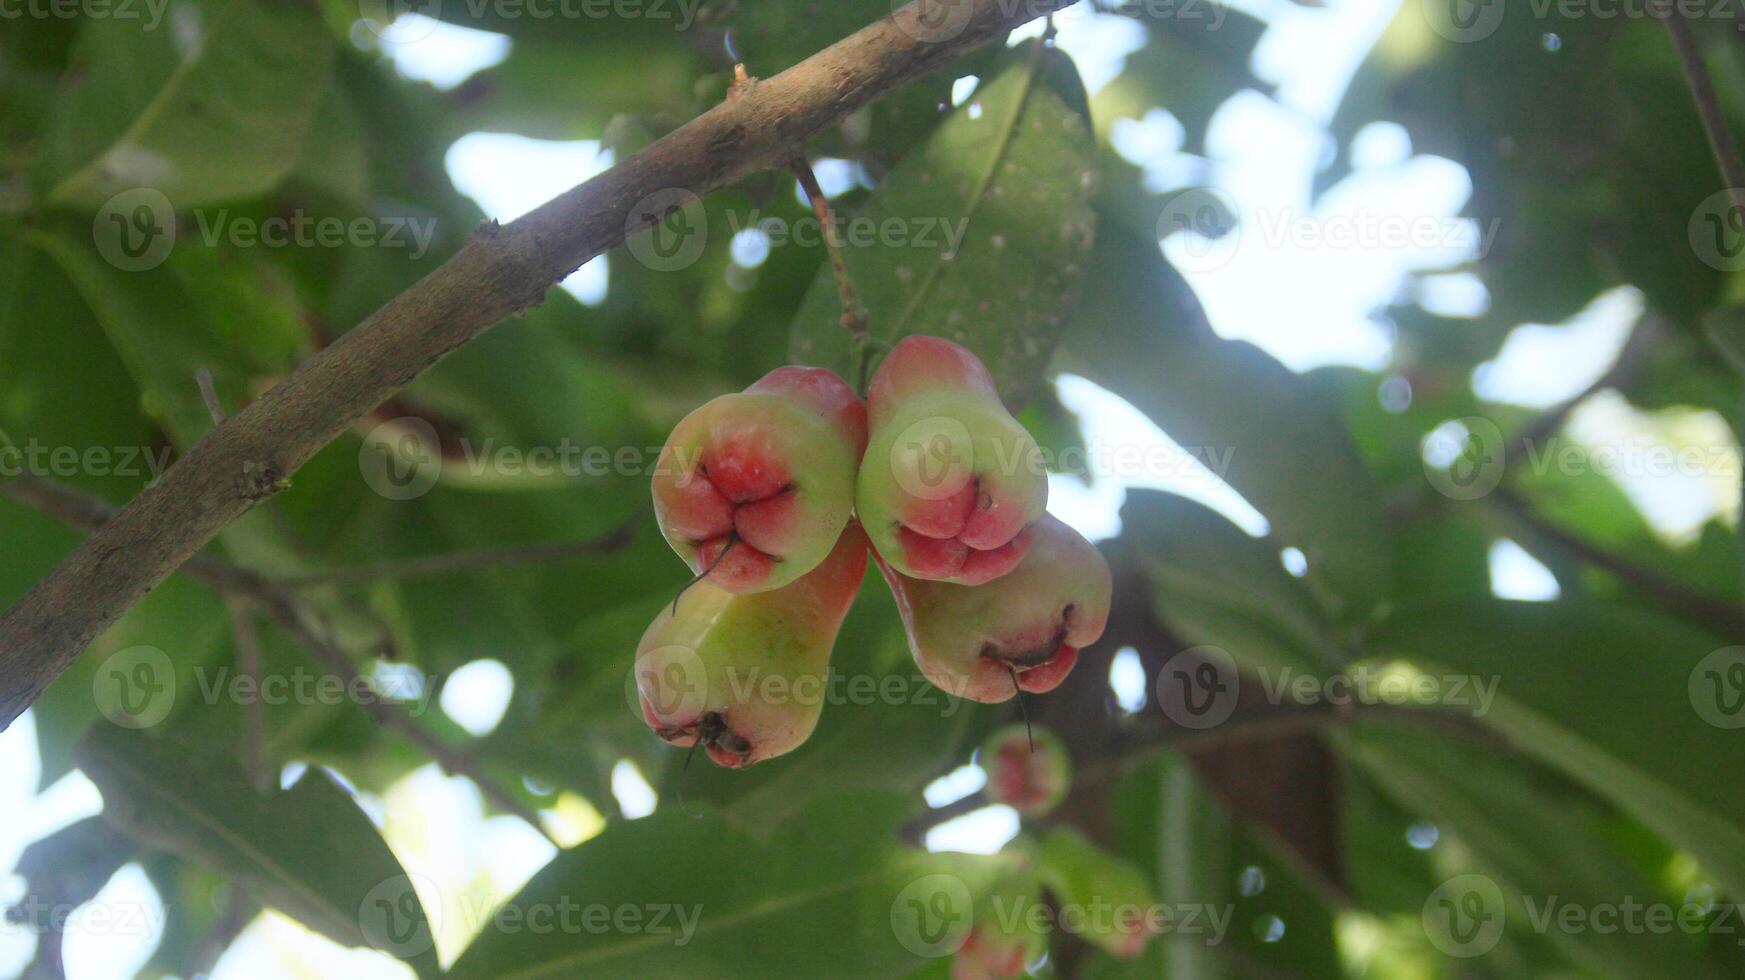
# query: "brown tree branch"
[[500, 271]]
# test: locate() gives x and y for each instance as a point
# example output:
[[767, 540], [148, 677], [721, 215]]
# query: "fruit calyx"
[[724, 746], [1036, 667], [753, 488]]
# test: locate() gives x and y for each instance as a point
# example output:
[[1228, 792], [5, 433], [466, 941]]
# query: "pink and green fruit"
[[951, 486], [745, 675], [1022, 631], [1032, 781], [765, 475]]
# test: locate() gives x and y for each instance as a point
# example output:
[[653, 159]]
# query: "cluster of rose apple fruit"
[[774, 496]]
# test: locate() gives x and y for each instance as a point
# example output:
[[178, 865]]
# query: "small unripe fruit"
[[1028, 769], [1021, 631], [951, 486], [755, 488], [745, 675]]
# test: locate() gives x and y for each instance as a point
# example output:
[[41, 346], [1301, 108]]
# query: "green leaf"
[[1220, 881], [817, 898], [1214, 584], [211, 107], [67, 868], [1548, 849], [1141, 333], [307, 851], [1612, 697], [62, 872], [1197, 57], [1011, 172], [165, 324], [544, 90]]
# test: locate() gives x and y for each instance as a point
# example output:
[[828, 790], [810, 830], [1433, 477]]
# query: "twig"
[[82, 510], [209, 394], [854, 318], [500, 271], [1642, 337], [1273, 721], [1725, 617], [453, 760], [254, 712], [1714, 118], [239, 911], [465, 561], [1702, 91], [915, 831]]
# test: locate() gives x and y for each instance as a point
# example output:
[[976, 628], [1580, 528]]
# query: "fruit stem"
[[854, 316], [732, 539], [1023, 709]]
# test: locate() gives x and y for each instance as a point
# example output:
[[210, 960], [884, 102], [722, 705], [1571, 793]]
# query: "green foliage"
[[1005, 187], [308, 851], [1580, 766]]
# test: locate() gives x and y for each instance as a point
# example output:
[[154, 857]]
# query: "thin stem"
[[466, 561], [1702, 91], [254, 712], [854, 316], [732, 539], [1274, 721], [209, 394]]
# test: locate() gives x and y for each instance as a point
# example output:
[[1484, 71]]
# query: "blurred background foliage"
[[1595, 779]]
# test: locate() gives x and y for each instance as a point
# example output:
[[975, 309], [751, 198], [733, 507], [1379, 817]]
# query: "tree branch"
[[1702, 91], [499, 272], [1724, 617]]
